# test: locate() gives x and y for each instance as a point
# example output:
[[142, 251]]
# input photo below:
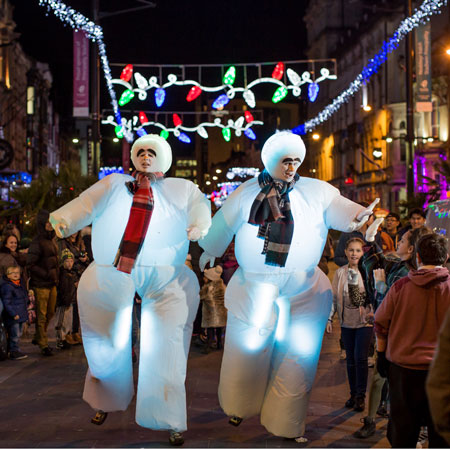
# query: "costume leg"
[[249, 342], [105, 301], [170, 299], [296, 354]]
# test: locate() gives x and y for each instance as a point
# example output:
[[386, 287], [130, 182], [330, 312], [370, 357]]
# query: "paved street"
[[41, 407]]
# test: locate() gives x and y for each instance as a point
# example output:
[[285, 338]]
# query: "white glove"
[[206, 258], [59, 227], [373, 229], [194, 233], [362, 217], [352, 277]]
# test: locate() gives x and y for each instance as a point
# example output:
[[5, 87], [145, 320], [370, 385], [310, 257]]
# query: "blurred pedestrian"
[[416, 217], [392, 225]]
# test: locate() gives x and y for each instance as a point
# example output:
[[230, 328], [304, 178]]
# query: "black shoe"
[[47, 351], [350, 403], [63, 345], [99, 417], [359, 403], [367, 430], [15, 356], [176, 438], [34, 342], [382, 410], [235, 421]]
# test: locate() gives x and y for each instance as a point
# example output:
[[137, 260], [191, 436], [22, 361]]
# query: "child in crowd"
[[67, 292], [356, 319], [214, 313], [15, 314]]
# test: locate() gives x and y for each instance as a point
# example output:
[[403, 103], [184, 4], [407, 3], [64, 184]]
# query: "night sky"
[[184, 32]]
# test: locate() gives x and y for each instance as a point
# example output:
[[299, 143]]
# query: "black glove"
[[382, 364]]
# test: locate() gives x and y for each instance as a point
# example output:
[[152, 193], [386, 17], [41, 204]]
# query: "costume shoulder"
[[315, 185], [179, 182]]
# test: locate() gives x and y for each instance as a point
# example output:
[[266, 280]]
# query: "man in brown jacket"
[[406, 325]]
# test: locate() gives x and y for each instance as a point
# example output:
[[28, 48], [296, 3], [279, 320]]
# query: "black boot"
[[359, 403], [235, 421], [350, 403], [99, 417], [367, 430]]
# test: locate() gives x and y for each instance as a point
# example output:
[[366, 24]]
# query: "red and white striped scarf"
[[138, 221]]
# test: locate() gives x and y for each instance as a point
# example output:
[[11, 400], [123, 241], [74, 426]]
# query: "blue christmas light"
[[160, 96], [141, 132], [421, 15], [250, 134], [299, 130], [220, 101], [313, 91], [183, 137]]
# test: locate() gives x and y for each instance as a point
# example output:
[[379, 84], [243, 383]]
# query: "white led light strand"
[[92, 31], [427, 9], [242, 172]]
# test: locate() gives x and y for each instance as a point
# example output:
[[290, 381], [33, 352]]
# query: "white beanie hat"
[[214, 273], [163, 159], [281, 144]]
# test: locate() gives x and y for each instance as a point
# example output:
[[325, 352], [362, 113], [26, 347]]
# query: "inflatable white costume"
[[150, 226], [278, 300]]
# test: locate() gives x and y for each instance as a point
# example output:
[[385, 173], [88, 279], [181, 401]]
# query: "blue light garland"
[[427, 9]]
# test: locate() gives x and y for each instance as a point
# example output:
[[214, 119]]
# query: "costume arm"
[[438, 383], [199, 212], [81, 211], [225, 223]]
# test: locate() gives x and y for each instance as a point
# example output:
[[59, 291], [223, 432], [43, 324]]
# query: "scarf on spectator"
[[138, 221], [271, 211]]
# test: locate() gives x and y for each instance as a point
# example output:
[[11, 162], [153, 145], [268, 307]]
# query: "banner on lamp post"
[[423, 68], [80, 75]]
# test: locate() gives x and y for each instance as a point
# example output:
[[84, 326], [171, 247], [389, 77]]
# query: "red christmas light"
[[143, 117], [194, 92], [348, 180], [278, 71], [248, 116], [176, 120], [127, 72]]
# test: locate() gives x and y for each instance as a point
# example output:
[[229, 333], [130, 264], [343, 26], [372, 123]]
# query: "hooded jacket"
[[15, 301], [42, 257], [411, 315]]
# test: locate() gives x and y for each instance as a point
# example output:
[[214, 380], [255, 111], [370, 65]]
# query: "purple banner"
[[80, 75]]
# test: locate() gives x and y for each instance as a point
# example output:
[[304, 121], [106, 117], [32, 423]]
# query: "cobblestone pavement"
[[41, 407]]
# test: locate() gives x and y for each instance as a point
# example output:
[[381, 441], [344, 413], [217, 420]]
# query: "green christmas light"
[[230, 75], [279, 94], [119, 131], [164, 134], [126, 97], [226, 133]]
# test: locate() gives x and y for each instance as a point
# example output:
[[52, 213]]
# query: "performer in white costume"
[[278, 300], [141, 225]]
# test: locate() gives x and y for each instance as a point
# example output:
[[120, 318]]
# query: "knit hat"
[[214, 273], [281, 144], [163, 159], [66, 254]]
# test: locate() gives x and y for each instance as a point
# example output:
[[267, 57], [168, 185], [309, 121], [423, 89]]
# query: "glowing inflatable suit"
[[276, 315], [169, 290]]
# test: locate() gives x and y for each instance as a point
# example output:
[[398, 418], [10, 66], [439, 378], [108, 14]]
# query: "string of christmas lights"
[[421, 15], [93, 32], [296, 81], [139, 123]]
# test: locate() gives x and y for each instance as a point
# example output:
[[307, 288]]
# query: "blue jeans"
[[14, 333], [357, 343]]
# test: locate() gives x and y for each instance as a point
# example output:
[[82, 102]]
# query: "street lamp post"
[[409, 108]]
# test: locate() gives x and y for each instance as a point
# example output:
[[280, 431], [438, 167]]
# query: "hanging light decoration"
[[239, 122], [202, 132], [160, 96], [176, 120], [293, 77], [183, 137], [140, 81], [250, 134], [126, 97], [249, 98], [119, 131], [313, 91], [220, 101], [230, 75], [127, 73], [193, 93], [278, 72], [164, 134], [279, 94], [226, 133], [143, 117], [141, 132], [248, 116]]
